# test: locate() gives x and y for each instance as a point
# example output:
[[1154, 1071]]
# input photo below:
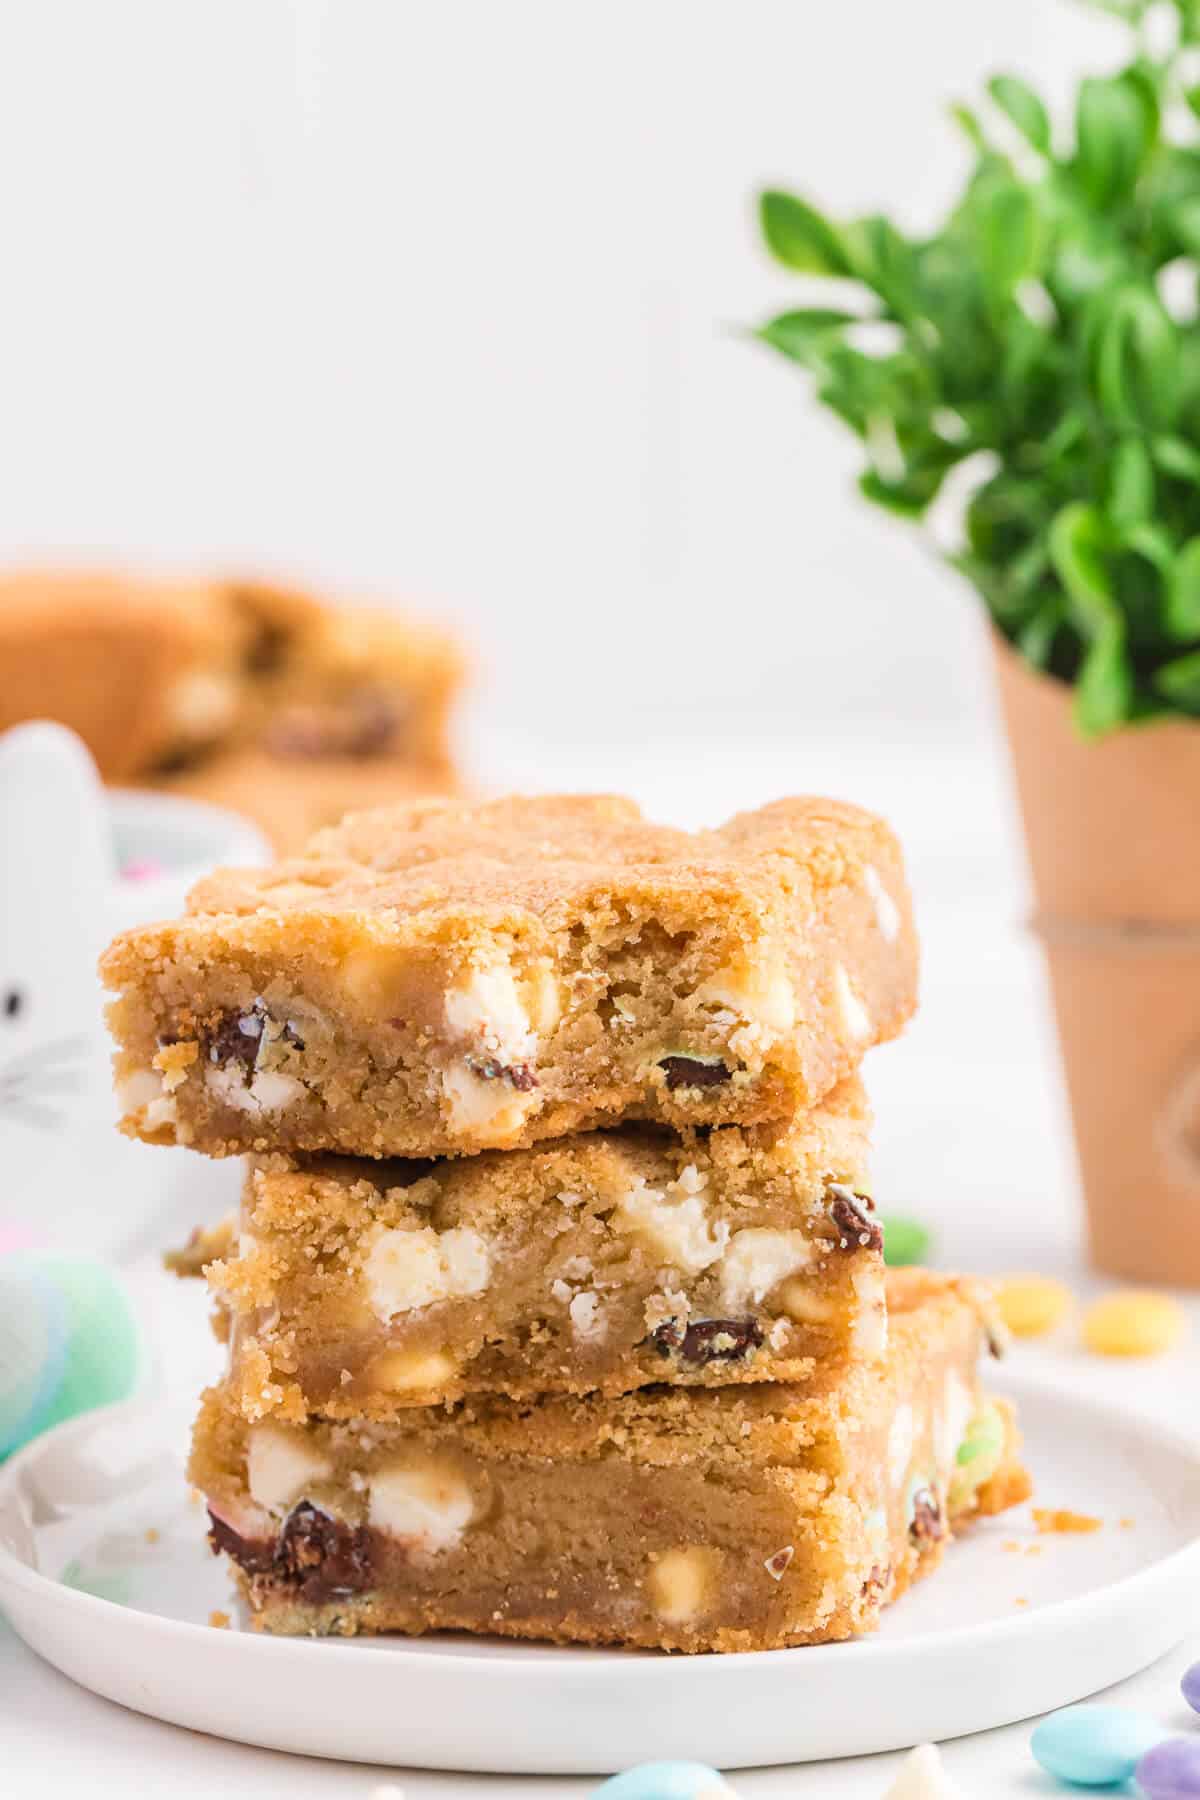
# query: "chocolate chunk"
[[235, 1038], [927, 1526], [323, 1556], [320, 1556], [517, 1075], [255, 1555], [365, 724], [689, 1072], [708, 1340], [849, 1212], [238, 1037]]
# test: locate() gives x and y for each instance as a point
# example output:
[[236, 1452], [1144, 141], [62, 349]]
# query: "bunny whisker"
[[58, 1049], [43, 1081], [27, 1112]]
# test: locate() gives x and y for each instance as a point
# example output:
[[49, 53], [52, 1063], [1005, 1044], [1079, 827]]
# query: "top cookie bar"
[[438, 979]]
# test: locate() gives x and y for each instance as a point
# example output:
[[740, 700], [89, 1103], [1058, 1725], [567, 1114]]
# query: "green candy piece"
[[978, 1455], [904, 1241]]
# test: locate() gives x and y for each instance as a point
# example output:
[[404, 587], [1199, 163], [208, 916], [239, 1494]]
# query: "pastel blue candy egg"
[[68, 1342], [1171, 1771], [666, 1781], [1190, 1686], [1094, 1746]]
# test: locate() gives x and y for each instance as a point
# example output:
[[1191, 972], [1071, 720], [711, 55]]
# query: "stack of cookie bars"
[[557, 1304]]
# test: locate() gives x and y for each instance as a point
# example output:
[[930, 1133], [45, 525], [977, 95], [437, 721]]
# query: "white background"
[[441, 301]]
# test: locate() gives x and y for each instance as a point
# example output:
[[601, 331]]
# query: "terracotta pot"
[[1113, 830]]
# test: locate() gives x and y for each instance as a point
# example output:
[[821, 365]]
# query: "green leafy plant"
[[1050, 324]]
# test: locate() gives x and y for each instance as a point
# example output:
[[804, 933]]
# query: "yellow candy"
[[1133, 1324], [1032, 1304]]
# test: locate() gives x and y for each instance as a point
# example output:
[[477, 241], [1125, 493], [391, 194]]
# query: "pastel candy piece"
[[1190, 1686], [33, 1351], [1133, 1323], [922, 1777], [1095, 1746], [79, 1331], [1171, 1771], [667, 1781], [904, 1241]]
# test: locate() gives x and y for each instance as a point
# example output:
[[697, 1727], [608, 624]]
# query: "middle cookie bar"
[[604, 1261]]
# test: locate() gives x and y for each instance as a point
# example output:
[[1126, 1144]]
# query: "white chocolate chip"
[[543, 998], [429, 1504], [477, 1104], [886, 910], [799, 1302], [407, 1269], [758, 1259], [900, 1443], [146, 1093], [267, 1091], [201, 704], [856, 1020], [411, 1371], [760, 993], [678, 1232], [486, 1011], [587, 1321], [678, 1583], [280, 1465]]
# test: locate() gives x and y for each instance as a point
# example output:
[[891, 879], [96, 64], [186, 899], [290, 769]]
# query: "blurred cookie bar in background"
[[263, 699]]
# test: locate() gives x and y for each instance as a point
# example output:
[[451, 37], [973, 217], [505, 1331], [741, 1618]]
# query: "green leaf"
[[883, 258], [1024, 108], [1182, 612], [1134, 358], [1176, 457], [799, 237], [1005, 224], [1104, 690], [1079, 543], [1130, 484], [1192, 96], [1179, 681], [1116, 123], [968, 124], [801, 334], [1035, 640]]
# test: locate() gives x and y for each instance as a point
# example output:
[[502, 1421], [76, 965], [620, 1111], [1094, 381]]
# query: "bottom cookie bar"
[[740, 1518]]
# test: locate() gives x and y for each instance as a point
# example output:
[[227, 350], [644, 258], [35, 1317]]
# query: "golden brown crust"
[[733, 1518], [601, 1261], [473, 977]]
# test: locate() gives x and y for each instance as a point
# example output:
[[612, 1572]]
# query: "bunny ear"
[[56, 852]]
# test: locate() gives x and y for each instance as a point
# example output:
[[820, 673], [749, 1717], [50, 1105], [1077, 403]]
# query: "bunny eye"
[[12, 1003]]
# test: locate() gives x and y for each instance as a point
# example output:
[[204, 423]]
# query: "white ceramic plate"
[[105, 1573]]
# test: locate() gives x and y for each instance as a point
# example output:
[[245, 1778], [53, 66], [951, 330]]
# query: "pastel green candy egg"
[[33, 1351], [978, 1456], [905, 1241], [666, 1781], [73, 1334], [1094, 1746]]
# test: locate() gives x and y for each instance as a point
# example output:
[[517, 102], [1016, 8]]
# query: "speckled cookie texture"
[[603, 1261], [440, 979], [732, 1518]]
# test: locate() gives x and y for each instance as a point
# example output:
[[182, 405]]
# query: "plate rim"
[[585, 1663]]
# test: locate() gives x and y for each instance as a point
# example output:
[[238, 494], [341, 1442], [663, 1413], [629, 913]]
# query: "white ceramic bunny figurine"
[[55, 1086], [67, 1174]]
